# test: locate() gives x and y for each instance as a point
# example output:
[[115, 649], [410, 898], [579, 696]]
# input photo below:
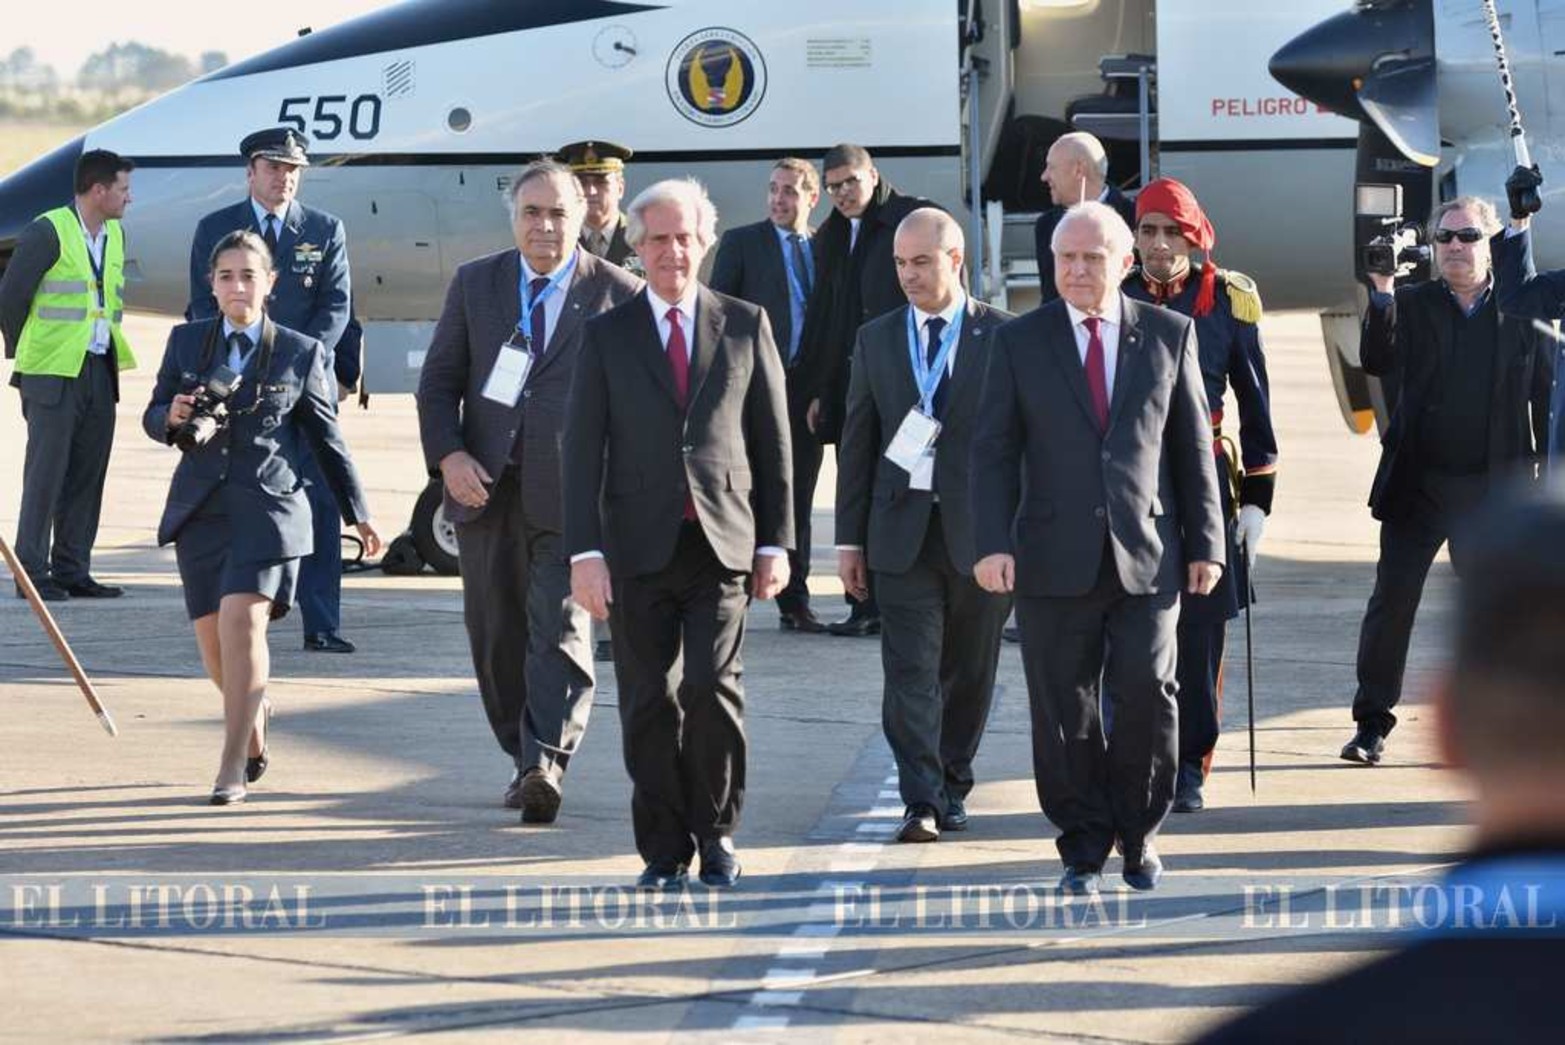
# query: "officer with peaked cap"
[[600, 167], [1227, 310], [311, 296]]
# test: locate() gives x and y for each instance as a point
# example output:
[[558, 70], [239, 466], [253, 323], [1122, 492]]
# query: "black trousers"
[[677, 639], [1408, 546], [532, 645], [939, 649], [1072, 648], [807, 454]]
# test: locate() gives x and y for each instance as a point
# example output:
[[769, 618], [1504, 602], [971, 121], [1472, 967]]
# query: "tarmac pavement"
[[374, 887]]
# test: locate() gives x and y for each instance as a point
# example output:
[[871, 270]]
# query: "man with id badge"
[[491, 407], [903, 511]]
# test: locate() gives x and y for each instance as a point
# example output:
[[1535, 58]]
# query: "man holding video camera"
[[1465, 378]]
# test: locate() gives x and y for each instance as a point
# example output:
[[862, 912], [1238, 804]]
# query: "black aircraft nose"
[[41, 185], [1328, 63]]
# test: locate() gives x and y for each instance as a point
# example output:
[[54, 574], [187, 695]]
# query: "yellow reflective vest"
[[66, 307]]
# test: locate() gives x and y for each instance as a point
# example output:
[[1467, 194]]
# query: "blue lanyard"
[[928, 376], [530, 304]]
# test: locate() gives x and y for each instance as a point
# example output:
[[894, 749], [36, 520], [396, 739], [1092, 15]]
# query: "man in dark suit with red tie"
[[491, 405], [678, 508], [1095, 502]]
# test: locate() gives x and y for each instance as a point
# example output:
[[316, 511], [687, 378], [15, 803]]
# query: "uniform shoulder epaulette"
[[1243, 296]]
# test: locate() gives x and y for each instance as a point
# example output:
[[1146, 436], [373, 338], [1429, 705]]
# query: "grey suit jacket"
[[258, 455], [627, 439], [1148, 482], [749, 266], [875, 508], [480, 313]]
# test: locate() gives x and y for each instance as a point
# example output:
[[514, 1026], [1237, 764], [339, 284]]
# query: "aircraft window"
[[459, 119]]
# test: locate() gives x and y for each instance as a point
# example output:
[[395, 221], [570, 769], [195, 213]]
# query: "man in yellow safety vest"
[[61, 303]]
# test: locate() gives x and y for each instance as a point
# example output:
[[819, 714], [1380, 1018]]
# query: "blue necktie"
[[935, 325], [535, 326]]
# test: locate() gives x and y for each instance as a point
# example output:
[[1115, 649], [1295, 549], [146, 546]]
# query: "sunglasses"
[[1467, 235]]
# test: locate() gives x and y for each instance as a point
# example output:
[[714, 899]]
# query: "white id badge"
[[922, 477], [510, 371], [916, 434]]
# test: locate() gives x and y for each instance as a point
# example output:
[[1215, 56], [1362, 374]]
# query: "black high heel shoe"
[[255, 767]]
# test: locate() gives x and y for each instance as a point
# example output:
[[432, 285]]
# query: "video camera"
[[1396, 253], [209, 413]]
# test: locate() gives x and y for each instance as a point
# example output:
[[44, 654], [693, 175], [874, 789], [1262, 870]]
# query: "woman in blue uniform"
[[237, 512]]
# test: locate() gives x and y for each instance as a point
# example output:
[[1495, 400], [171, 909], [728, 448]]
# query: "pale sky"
[[64, 35]]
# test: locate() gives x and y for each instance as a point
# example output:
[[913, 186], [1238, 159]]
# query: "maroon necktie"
[[679, 365], [1097, 379], [535, 321]]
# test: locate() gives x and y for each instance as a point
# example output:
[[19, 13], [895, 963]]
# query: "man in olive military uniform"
[[1226, 310], [311, 296], [600, 167]]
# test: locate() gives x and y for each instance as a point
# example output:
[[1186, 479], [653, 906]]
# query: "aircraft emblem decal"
[[716, 77]]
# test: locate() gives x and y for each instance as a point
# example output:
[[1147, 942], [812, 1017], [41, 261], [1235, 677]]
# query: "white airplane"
[[420, 112]]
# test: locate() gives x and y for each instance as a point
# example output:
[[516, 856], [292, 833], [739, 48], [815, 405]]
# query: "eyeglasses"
[[1467, 235], [837, 188]]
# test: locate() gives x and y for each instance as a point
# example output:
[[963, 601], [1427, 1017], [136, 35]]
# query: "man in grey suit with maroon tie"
[[1095, 503], [677, 499], [491, 405]]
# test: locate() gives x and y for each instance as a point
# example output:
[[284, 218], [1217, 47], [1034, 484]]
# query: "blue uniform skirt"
[[208, 572]]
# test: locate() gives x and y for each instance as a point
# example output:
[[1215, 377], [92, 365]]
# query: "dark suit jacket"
[[480, 313], [626, 438], [1043, 231], [875, 508], [257, 456], [852, 287], [749, 266], [1404, 340], [619, 251], [313, 290], [1148, 482]]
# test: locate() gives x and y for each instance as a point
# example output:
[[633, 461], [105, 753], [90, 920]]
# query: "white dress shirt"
[[1108, 332], [687, 323], [96, 245], [949, 314], [553, 303]]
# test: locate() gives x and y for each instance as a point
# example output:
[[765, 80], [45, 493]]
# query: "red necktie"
[[1097, 379], [679, 365]]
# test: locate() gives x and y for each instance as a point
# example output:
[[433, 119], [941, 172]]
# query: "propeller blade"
[[1402, 99]]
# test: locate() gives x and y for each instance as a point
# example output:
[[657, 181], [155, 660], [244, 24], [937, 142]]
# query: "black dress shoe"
[[540, 796], [920, 823], [1366, 746], [662, 874], [87, 588], [328, 642], [227, 796], [801, 620], [955, 818], [255, 767], [47, 590], [1143, 870], [719, 865], [1012, 634], [1081, 880], [1187, 790], [513, 790], [856, 626]]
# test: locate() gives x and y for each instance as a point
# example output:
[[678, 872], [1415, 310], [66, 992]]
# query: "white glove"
[[1249, 526]]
